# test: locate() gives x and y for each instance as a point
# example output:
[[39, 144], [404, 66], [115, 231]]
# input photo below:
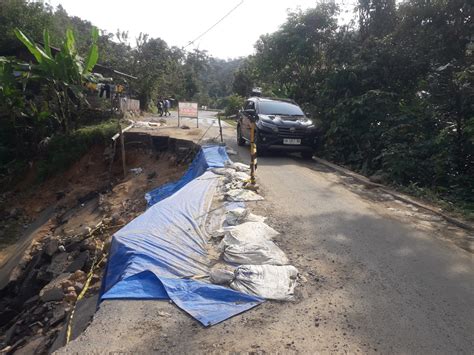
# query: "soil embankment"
[[58, 237]]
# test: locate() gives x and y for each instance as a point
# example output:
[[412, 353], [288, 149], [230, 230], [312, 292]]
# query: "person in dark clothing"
[[159, 105]]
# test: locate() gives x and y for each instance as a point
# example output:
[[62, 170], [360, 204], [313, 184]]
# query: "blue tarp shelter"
[[157, 254]]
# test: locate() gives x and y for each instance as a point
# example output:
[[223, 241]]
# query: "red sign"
[[188, 109]]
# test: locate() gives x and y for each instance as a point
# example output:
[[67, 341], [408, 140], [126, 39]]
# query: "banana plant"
[[64, 72]]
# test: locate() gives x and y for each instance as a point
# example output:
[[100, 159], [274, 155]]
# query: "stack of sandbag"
[[263, 267]]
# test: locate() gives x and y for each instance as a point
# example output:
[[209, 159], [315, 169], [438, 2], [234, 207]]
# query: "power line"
[[214, 25]]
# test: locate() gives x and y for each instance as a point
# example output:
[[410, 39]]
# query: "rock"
[[377, 178], [115, 217], [136, 171], [33, 346], [78, 286], [221, 277], [95, 278], [164, 314], [14, 213], [52, 246], [70, 297], [9, 334], [184, 126], [78, 262], [52, 294], [54, 290], [59, 313], [88, 244], [79, 276], [58, 264], [66, 284]]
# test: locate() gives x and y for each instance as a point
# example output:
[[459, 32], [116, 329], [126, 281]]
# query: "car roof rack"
[[291, 101]]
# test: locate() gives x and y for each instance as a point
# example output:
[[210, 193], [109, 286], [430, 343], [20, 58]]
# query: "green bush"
[[233, 104], [65, 149]]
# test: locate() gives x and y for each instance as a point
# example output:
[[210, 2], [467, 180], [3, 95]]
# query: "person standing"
[[159, 105], [167, 105]]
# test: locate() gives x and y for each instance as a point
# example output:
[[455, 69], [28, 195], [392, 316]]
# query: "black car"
[[281, 125]]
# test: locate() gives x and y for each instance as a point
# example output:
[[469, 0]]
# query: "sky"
[[180, 21]]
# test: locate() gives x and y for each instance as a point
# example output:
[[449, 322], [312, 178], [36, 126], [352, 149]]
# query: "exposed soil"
[[54, 239]]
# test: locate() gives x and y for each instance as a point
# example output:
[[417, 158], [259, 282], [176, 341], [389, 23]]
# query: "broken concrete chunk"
[[79, 262], [79, 276], [59, 313], [52, 247], [54, 290], [33, 346], [58, 264]]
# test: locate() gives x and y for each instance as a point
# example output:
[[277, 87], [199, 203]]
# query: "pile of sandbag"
[[261, 268], [236, 176]]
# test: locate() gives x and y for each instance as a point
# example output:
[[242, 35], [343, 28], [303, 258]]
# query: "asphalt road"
[[374, 279]]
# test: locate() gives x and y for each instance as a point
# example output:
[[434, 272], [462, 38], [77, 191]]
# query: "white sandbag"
[[250, 243], [232, 175], [238, 167], [240, 215], [222, 171], [266, 281], [242, 195], [251, 231], [263, 252], [236, 216]]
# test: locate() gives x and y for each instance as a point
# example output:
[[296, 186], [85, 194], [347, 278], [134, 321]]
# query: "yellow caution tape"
[[85, 288]]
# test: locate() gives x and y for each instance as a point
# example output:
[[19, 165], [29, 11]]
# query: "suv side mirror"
[[250, 111]]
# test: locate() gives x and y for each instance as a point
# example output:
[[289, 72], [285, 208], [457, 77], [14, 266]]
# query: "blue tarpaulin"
[[207, 157], [157, 254]]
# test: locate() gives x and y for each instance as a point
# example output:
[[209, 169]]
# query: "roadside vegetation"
[[44, 112], [392, 91]]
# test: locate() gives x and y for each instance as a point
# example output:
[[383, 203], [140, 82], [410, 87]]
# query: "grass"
[[463, 208], [228, 120], [63, 150]]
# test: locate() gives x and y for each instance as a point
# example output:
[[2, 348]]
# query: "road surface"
[[376, 278]]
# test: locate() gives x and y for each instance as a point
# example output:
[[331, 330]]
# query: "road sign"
[[188, 109]]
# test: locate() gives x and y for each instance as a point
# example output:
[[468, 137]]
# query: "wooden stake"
[[122, 145], [220, 128]]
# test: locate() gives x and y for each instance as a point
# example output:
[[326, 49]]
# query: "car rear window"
[[279, 108]]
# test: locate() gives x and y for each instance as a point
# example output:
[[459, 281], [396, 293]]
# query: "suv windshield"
[[279, 108]]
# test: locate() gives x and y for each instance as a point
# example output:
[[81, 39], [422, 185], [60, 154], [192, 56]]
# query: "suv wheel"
[[240, 140], [261, 151]]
